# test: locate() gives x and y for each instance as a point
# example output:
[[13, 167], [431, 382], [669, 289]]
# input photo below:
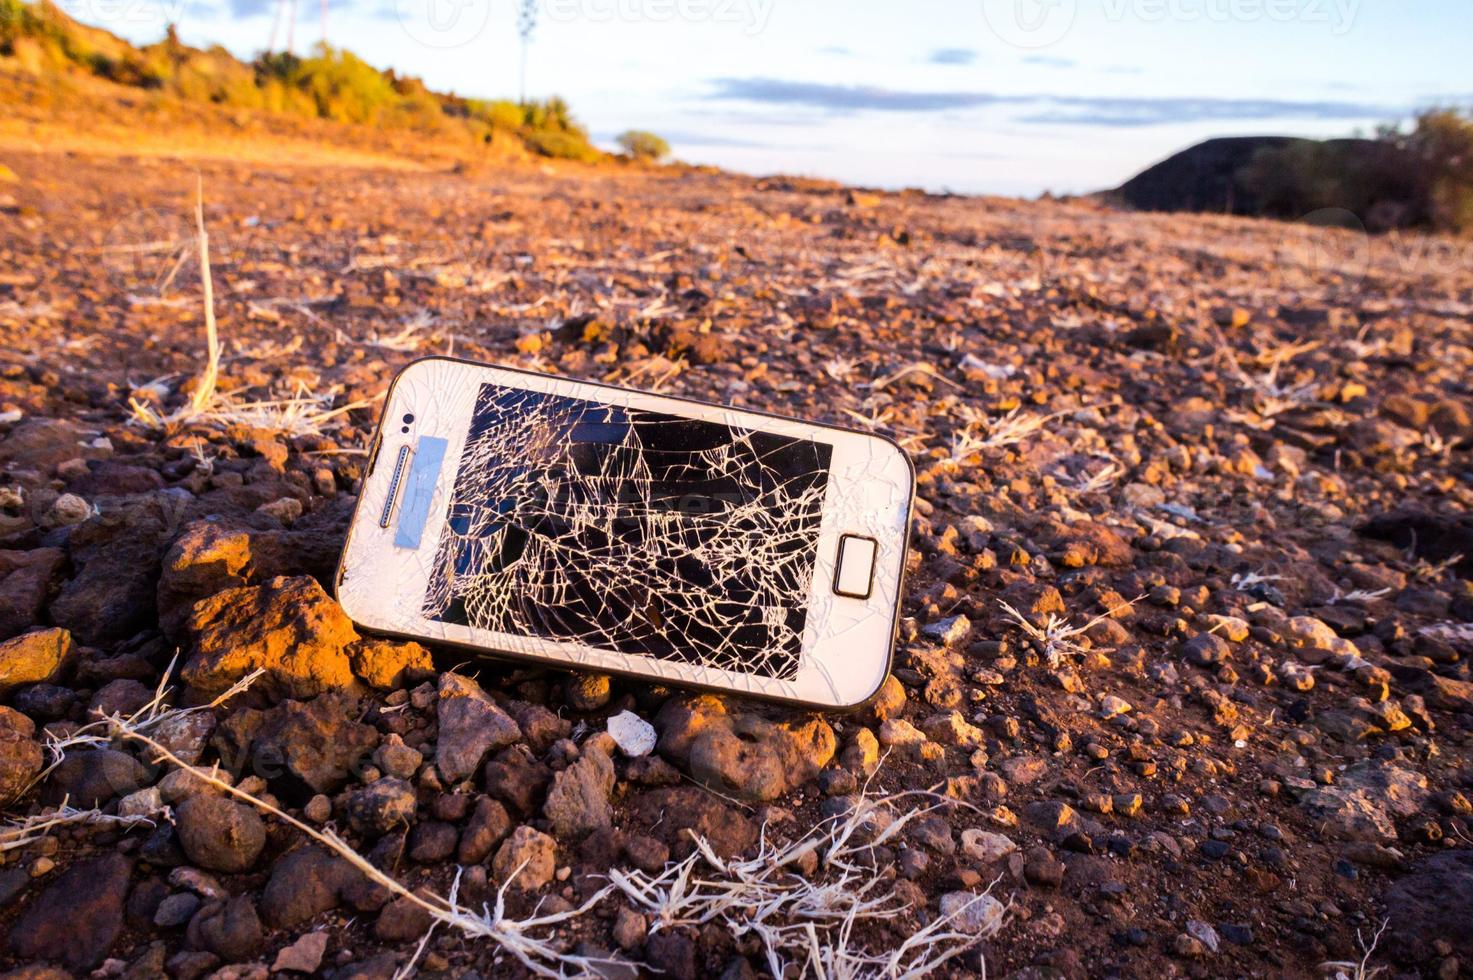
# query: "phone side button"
[[854, 566]]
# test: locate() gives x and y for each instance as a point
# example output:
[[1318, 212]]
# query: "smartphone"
[[585, 526]]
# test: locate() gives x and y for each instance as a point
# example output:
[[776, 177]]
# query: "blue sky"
[[978, 96]]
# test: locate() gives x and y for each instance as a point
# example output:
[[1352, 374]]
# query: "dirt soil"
[[1221, 467]]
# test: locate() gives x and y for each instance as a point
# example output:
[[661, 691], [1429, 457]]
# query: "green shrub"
[[498, 114], [345, 88], [1442, 145], [1422, 178], [643, 146], [552, 115], [1371, 178], [562, 145]]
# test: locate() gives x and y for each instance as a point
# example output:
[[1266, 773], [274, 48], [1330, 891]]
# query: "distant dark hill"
[[1284, 177], [1200, 178]]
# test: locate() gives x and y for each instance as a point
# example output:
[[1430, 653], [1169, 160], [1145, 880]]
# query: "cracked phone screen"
[[631, 531]]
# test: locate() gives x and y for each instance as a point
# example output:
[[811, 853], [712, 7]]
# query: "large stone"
[[1081, 543], [471, 725], [117, 555], [288, 627], [121, 697], [985, 847], [384, 966], [381, 806], [587, 692], [517, 778], [387, 664], [303, 885], [1307, 631], [674, 813], [111, 479], [526, 859], [21, 757], [756, 752], [949, 631], [317, 741], [76, 920], [230, 929], [216, 554], [42, 444], [1433, 903], [974, 915], [1206, 650], [1367, 802], [90, 778], [432, 841], [402, 920], [886, 703], [578, 801], [219, 834], [209, 557], [672, 954], [26, 578], [302, 956], [1445, 693], [486, 828], [950, 728], [1053, 817], [38, 657], [185, 735], [541, 726], [309, 881]]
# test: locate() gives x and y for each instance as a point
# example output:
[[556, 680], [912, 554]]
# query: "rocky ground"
[[1219, 468]]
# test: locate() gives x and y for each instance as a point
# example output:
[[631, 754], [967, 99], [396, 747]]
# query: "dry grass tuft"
[[803, 901], [840, 368], [917, 367], [1243, 581], [1271, 396], [655, 373], [1055, 635], [301, 413], [1430, 571], [1356, 596], [1011, 429], [1099, 481], [1357, 969], [408, 339]]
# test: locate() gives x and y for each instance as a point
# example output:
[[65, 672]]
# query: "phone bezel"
[[684, 675]]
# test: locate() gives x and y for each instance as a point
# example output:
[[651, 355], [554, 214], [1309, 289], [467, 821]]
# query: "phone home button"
[[854, 566]]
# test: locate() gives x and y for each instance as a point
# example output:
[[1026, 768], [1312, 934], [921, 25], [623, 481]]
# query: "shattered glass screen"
[[631, 531]]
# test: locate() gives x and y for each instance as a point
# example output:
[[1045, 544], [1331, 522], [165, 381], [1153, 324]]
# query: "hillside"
[[90, 88], [1204, 177]]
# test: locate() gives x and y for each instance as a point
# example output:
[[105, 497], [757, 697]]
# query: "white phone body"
[[835, 653]]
